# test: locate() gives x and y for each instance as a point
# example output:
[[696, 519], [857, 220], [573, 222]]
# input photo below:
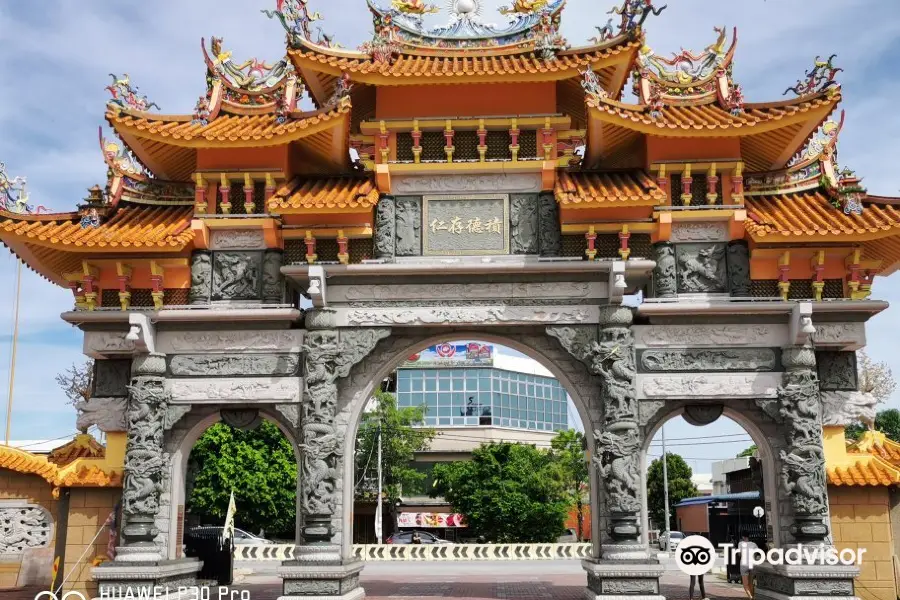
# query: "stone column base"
[[620, 580], [165, 580], [305, 581], [804, 582]]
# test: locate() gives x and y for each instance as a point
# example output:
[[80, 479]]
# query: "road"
[[476, 580]]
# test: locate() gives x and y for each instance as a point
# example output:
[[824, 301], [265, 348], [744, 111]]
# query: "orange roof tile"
[[591, 190], [82, 446], [145, 227], [710, 117], [468, 64], [877, 444], [244, 130], [812, 216], [81, 472], [27, 463], [866, 470], [310, 195]]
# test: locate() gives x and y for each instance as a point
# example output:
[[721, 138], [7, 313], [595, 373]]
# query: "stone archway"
[[363, 380], [760, 429], [179, 442]]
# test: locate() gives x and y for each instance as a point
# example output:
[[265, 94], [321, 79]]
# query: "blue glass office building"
[[465, 387]]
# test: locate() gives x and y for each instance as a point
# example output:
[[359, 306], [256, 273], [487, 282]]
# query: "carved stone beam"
[[617, 284], [316, 290], [142, 332], [801, 324]]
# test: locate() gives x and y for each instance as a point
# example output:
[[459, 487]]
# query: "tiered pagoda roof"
[[610, 159]]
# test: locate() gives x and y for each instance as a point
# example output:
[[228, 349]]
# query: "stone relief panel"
[[200, 365], [106, 413], [523, 224], [236, 276], [710, 335], [699, 232], [837, 370], [175, 342], [467, 315], [739, 269], [24, 526], [550, 232], [384, 227], [701, 268], [272, 280], [111, 377], [278, 390], [846, 336], [755, 385], [236, 239], [664, 273], [408, 226], [455, 184], [99, 343], [466, 291], [708, 359], [201, 277]]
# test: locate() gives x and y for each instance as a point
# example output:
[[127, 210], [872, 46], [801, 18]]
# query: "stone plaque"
[[468, 225]]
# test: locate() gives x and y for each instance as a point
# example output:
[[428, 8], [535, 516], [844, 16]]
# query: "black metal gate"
[[217, 554]]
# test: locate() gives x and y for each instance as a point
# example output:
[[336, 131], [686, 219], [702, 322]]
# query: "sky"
[[57, 58]]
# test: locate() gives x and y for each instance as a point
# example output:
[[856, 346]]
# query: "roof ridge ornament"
[[14, 195], [251, 75], [124, 95], [295, 17], [821, 78], [634, 13]]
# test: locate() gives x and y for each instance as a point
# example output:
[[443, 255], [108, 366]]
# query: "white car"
[[672, 542]]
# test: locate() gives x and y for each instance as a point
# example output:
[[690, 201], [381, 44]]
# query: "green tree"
[[260, 467], [680, 487], [567, 450], [886, 421], [748, 451], [507, 492], [400, 440]]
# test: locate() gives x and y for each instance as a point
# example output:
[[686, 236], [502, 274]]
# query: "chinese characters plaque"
[[466, 225]]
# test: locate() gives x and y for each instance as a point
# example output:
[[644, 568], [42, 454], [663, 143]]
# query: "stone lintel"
[[224, 390], [466, 315], [230, 341], [708, 385], [580, 290]]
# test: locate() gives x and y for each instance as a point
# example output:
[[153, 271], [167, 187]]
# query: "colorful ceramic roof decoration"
[[873, 460], [314, 139]]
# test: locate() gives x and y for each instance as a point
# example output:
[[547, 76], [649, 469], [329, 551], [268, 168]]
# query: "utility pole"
[[379, 527], [12, 358], [665, 462]]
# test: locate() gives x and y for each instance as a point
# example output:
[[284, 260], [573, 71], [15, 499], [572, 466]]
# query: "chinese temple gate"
[[471, 181]]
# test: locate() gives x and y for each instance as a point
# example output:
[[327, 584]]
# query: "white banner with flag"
[[228, 530], [378, 525]]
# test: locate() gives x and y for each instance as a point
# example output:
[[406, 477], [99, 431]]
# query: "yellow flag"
[[228, 530], [55, 571]]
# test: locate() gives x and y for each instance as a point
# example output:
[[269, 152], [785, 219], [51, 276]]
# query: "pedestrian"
[[746, 548], [694, 580], [416, 539]]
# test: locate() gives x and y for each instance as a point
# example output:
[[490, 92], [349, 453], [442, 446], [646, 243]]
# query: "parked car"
[[569, 537], [241, 537], [671, 541], [406, 537]]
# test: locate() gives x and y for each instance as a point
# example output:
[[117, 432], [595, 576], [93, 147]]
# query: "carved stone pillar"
[[664, 283], [201, 277], [318, 568], [384, 228], [548, 218], [273, 281], [624, 566], [144, 417], [738, 261]]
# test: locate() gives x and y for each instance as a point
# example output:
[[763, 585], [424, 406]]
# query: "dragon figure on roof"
[[634, 13], [252, 74], [124, 95], [685, 67], [14, 195], [818, 79], [296, 19]]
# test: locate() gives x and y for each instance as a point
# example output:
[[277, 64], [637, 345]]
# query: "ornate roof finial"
[[524, 7], [591, 84], [818, 79], [342, 89], [414, 7], [383, 44], [124, 95], [634, 13], [14, 195], [295, 17]]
